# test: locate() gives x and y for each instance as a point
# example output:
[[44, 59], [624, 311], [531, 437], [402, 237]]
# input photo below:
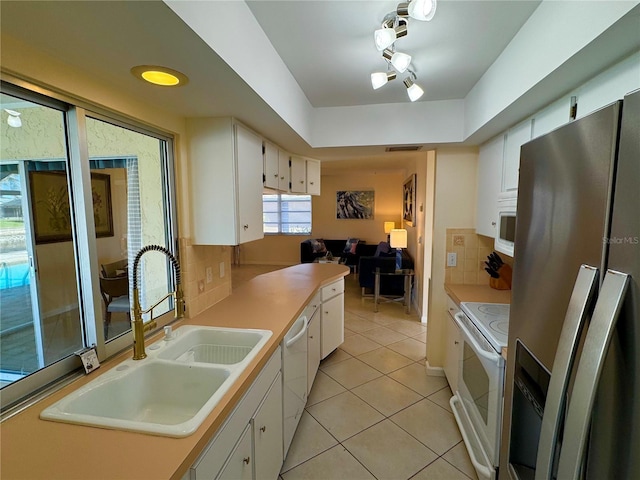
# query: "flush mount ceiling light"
[[163, 76], [414, 90], [395, 26], [14, 118], [400, 61], [379, 79]]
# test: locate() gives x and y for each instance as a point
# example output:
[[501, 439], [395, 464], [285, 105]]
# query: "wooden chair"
[[115, 293], [115, 269]]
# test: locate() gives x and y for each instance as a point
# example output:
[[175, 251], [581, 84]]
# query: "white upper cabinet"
[[276, 168], [226, 165], [489, 185], [516, 137], [305, 175], [313, 177]]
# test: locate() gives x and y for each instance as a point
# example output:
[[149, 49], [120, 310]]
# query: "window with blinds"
[[286, 214]]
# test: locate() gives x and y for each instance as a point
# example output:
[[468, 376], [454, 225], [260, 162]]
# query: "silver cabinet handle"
[[246, 227], [301, 181], [493, 224], [263, 428], [282, 177], [603, 322], [582, 296], [276, 175], [311, 183], [246, 460]]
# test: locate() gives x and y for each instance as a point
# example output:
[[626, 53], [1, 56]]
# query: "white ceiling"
[[327, 46]]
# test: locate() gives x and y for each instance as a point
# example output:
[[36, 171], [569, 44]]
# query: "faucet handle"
[[168, 333]]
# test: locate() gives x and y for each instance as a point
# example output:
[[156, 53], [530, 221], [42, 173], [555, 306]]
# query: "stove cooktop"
[[492, 319]]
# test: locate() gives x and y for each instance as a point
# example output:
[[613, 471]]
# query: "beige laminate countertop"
[[34, 448], [477, 293]]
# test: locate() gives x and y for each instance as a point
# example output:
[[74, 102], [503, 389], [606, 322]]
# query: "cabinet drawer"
[[333, 289]]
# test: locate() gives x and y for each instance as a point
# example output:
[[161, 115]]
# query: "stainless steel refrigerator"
[[572, 387]]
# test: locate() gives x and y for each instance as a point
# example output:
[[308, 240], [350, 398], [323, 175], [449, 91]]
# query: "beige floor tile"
[[408, 327], [415, 377], [348, 333], [389, 452], [386, 395], [411, 348], [351, 373], [336, 463], [357, 324], [431, 424], [357, 345], [440, 470], [459, 458], [337, 356], [383, 319], [385, 360], [345, 415], [310, 440], [323, 387], [384, 336], [442, 397], [422, 337]]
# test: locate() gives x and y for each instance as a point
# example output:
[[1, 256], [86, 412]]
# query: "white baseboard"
[[433, 371]]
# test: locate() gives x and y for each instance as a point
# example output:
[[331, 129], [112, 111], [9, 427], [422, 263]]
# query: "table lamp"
[[398, 240], [388, 226]]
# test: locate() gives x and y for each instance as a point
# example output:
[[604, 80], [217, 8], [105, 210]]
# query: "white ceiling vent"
[[404, 148]]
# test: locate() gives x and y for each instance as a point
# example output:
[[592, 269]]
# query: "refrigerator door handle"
[[596, 344], [580, 304]]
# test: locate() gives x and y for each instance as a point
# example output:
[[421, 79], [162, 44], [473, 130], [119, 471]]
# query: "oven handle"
[[492, 357], [480, 467]]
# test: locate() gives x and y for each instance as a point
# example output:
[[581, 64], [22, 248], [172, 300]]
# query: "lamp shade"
[[398, 238], [388, 226], [379, 79], [400, 61], [413, 90], [384, 37], [422, 9]]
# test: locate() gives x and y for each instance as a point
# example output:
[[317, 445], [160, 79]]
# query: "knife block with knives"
[[499, 272]]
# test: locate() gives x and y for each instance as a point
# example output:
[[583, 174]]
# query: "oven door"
[[480, 389]]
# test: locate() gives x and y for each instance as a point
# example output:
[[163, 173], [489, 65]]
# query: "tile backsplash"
[[471, 250], [195, 259]]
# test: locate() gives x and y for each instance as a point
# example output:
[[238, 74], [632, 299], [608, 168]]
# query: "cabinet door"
[[249, 172], [489, 185], [516, 137], [283, 171], [239, 465], [267, 434], [332, 325], [271, 166], [313, 177], [298, 175], [452, 352], [313, 350]]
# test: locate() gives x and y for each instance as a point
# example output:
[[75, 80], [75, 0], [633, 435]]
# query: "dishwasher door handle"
[[300, 334]]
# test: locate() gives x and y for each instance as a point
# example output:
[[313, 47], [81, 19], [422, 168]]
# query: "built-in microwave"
[[506, 223]]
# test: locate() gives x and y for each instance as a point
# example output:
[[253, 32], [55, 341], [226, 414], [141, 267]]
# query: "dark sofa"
[[336, 247], [389, 285]]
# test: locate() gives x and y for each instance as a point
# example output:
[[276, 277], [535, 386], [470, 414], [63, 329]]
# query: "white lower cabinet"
[[313, 350], [239, 465], [249, 444], [453, 346], [332, 317]]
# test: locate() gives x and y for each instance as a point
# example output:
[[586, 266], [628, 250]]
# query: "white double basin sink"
[[170, 392]]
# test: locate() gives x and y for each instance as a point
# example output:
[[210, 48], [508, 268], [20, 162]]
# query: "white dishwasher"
[[294, 375]]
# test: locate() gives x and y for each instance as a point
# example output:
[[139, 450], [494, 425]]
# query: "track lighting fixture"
[[413, 89], [423, 10], [385, 36], [379, 79], [394, 26], [400, 61]]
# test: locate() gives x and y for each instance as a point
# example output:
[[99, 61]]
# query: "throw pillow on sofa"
[[384, 250], [318, 246], [350, 247]]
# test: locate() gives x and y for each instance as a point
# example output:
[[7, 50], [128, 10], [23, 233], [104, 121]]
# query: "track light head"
[[400, 61], [413, 89], [384, 37], [423, 10], [379, 79]]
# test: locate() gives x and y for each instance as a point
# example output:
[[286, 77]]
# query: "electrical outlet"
[[452, 259], [221, 269], [209, 273]]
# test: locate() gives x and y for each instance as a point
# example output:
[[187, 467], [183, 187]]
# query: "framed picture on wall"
[[409, 200], [355, 204], [51, 210]]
